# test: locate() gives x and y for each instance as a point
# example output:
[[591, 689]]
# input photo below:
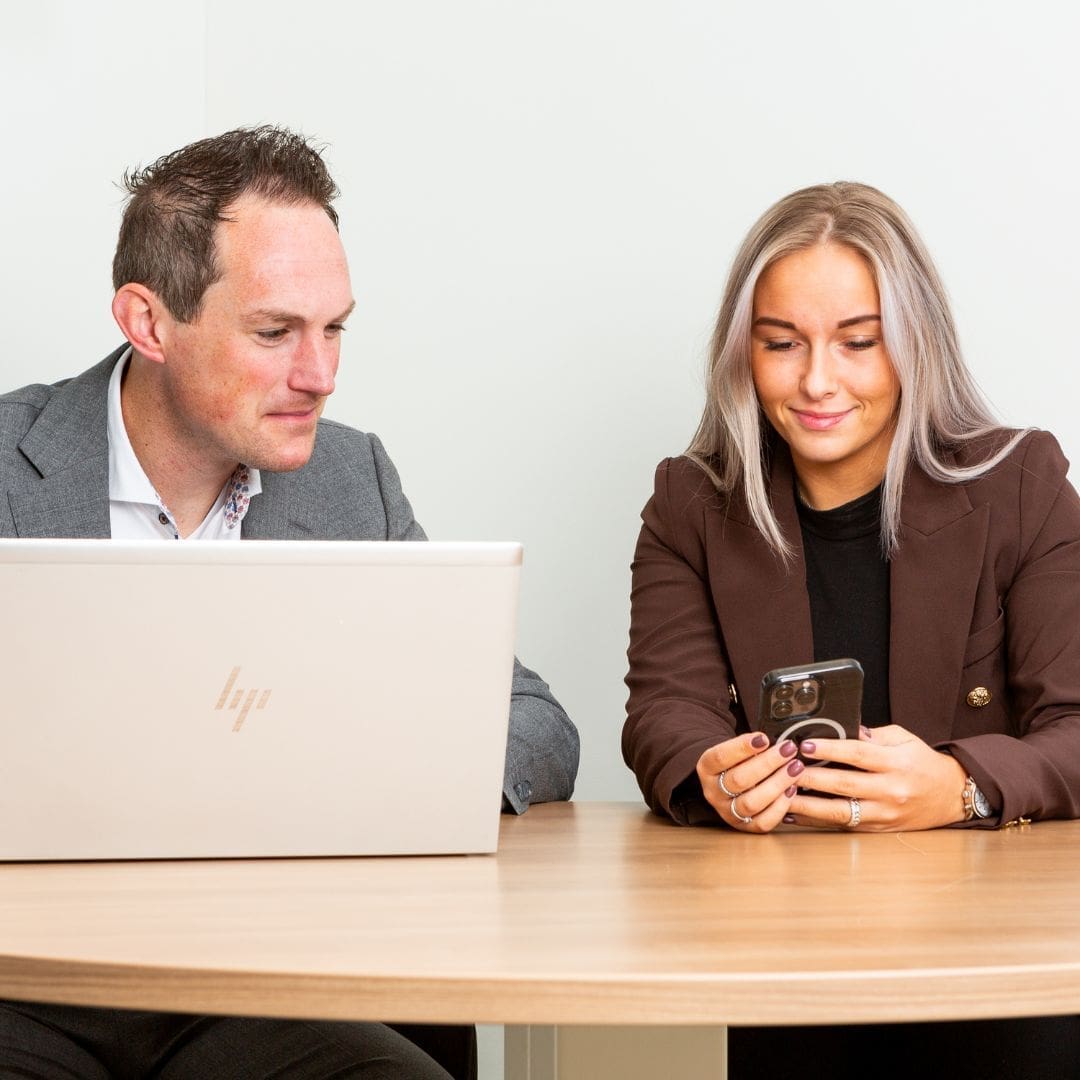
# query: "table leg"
[[573, 1052]]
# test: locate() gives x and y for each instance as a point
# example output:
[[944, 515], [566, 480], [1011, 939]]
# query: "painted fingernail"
[[795, 768], [789, 819], [759, 741], [787, 748], [790, 792], [808, 747]]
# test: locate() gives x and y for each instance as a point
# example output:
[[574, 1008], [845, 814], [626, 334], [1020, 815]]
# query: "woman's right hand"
[[749, 783]]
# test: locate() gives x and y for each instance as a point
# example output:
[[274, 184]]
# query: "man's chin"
[[283, 459]]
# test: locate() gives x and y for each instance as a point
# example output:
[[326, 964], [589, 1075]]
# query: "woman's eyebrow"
[[767, 320]]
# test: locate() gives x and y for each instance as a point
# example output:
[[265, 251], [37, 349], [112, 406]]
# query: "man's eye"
[[334, 329], [272, 335]]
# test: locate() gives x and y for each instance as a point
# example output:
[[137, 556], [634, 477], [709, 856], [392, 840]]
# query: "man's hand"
[[901, 783]]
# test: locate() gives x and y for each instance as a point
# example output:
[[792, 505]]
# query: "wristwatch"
[[976, 804]]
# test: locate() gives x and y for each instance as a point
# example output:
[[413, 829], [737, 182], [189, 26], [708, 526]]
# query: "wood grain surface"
[[594, 913]]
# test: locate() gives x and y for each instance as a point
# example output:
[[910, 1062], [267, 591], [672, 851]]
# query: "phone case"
[[822, 700]]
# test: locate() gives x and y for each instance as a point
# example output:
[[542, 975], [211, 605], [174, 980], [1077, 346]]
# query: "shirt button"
[[163, 518]]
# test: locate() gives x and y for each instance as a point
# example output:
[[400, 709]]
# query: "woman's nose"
[[819, 376]]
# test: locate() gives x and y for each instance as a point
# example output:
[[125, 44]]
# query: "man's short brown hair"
[[167, 232]]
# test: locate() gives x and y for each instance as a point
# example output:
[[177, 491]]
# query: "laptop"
[[212, 699]]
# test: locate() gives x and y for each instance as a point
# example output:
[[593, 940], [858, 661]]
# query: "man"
[[233, 291]]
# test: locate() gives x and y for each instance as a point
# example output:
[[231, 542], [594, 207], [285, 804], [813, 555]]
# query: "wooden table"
[[591, 913]]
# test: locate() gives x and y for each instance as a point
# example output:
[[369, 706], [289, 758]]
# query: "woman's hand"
[[748, 783], [901, 783]]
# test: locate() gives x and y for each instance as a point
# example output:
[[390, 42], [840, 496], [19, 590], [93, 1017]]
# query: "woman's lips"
[[819, 421]]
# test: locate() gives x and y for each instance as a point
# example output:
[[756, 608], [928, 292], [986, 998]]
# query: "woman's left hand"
[[900, 783]]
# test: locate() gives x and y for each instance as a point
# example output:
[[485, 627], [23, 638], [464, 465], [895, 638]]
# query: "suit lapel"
[[933, 580], [287, 507], [73, 503], [69, 446], [762, 606]]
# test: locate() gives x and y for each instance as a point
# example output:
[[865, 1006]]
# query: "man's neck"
[[188, 483]]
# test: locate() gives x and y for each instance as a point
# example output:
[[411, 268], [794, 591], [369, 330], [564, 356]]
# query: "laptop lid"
[[262, 698]]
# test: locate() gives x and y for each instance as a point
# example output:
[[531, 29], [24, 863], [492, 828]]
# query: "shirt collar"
[[127, 481]]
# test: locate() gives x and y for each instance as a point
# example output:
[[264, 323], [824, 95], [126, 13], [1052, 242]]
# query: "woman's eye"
[[779, 346], [862, 343]]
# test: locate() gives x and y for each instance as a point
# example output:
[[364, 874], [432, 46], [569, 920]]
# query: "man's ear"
[[144, 320]]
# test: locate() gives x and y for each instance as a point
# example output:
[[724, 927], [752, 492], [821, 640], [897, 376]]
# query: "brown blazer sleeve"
[[1033, 552], [679, 703]]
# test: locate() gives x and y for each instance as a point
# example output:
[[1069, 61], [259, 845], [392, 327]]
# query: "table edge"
[[796, 998]]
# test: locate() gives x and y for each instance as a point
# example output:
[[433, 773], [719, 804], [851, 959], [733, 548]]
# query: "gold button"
[[979, 697]]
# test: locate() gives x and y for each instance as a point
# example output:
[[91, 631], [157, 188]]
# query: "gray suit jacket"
[[54, 481]]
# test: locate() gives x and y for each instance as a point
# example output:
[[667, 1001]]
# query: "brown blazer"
[[985, 592]]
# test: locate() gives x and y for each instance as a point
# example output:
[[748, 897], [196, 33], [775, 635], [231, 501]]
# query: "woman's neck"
[[826, 489]]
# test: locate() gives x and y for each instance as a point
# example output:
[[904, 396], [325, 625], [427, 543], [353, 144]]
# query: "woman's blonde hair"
[[940, 405]]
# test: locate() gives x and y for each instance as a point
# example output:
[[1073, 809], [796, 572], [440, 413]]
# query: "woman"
[[848, 493]]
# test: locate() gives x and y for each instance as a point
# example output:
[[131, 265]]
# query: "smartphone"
[[822, 701]]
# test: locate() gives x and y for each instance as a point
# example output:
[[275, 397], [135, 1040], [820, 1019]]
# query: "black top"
[[847, 578]]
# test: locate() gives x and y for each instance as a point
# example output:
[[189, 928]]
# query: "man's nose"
[[315, 365]]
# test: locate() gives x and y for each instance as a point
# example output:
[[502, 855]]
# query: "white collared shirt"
[[137, 512]]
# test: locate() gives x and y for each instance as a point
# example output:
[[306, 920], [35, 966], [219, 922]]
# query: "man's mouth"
[[298, 413]]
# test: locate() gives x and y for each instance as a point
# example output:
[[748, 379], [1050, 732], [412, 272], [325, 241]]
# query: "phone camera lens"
[[784, 691], [806, 695], [781, 708]]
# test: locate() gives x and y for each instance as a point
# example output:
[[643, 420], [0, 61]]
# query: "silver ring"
[[723, 786], [856, 814], [744, 820]]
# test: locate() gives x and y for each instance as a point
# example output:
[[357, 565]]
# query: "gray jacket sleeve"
[[542, 746]]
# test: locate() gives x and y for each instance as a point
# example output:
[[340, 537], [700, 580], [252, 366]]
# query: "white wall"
[[540, 202]]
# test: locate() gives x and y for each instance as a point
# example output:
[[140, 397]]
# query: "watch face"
[[981, 804]]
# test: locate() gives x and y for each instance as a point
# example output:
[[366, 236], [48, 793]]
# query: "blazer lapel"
[[762, 606], [286, 509], [934, 577], [324, 500], [73, 503], [69, 446]]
